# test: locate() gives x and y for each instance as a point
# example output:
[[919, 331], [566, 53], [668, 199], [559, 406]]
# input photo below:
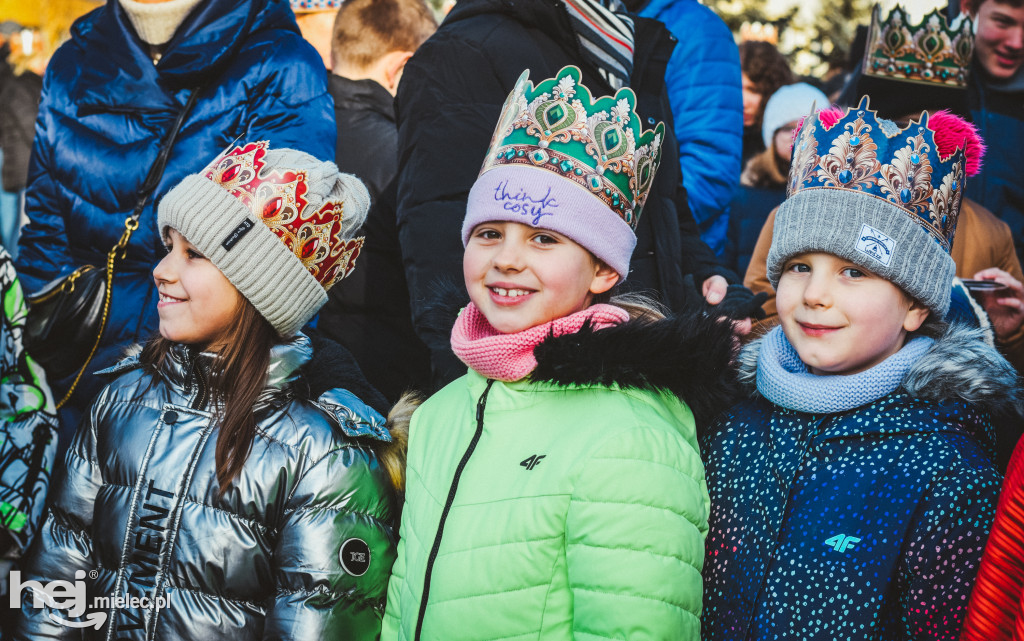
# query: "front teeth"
[[511, 293]]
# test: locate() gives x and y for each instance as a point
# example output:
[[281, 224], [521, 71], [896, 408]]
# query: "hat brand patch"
[[236, 234], [355, 557], [876, 245]]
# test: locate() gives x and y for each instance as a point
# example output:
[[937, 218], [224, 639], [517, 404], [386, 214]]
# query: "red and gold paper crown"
[[279, 200]]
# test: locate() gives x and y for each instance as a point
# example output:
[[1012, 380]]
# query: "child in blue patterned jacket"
[[853, 493]]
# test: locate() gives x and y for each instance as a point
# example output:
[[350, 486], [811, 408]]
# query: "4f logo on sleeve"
[[841, 542], [532, 462]]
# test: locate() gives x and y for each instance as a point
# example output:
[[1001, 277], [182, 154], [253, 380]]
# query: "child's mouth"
[[812, 329], [508, 295], [166, 299]]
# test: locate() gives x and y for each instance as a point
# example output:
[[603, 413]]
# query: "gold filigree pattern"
[[945, 206], [907, 180], [851, 163], [805, 155]]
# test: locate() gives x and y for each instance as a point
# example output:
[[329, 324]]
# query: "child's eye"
[[545, 239], [797, 267], [488, 234], [193, 254], [853, 272]]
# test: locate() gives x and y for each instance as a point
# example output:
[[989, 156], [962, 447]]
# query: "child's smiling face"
[[521, 276], [198, 304], [841, 318]]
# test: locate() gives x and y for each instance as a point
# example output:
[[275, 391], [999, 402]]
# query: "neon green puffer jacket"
[[568, 506]]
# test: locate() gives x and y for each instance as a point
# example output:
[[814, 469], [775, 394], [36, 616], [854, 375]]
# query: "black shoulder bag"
[[66, 318]]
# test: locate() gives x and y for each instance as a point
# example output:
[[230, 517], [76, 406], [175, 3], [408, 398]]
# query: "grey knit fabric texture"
[[868, 231], [258, 263]]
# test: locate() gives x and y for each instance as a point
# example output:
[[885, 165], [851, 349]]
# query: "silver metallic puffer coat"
[[299, 547]]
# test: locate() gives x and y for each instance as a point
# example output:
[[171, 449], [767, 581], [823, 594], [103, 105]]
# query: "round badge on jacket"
[[355, 557]]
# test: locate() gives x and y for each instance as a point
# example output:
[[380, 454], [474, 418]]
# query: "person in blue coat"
[[703, 82], [110, 96], [853, 492]]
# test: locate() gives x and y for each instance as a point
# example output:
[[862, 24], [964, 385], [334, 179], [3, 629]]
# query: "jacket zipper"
[[199, 402], [480, 405], [813, 432]]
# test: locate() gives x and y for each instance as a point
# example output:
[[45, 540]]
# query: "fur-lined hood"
[[959, 366]]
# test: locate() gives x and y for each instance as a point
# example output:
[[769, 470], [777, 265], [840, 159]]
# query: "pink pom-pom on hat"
[[952, 133]]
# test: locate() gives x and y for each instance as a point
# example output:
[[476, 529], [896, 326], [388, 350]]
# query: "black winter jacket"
[[448, 103], [368, 312]]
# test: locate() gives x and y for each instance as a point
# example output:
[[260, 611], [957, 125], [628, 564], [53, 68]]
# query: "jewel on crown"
[[599, 144], [905, 167], [279, 199], [933, 51]]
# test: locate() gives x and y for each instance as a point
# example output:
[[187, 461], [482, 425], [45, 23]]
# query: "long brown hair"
[[238, 376]]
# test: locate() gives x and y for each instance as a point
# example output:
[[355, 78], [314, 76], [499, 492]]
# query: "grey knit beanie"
[[278, 223], [866, 231], [883, 197]]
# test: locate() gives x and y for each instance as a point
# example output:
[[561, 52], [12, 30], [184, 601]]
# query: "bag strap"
[[131, 223]]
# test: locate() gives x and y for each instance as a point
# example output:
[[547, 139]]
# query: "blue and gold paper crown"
[[863, 153], [932, 52], [598, 144]]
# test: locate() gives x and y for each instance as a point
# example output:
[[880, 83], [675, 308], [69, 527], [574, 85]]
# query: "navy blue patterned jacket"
[[865, 524]]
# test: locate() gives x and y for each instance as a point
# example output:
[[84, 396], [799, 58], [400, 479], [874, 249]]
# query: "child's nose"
[[164, 272], [817, 292], [509, 256]]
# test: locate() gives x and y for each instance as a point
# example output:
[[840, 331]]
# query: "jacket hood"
[[960, 366], [115, 63]]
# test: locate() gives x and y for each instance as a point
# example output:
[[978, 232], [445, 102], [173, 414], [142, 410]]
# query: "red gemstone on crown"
[[273, 208], [230, 173]]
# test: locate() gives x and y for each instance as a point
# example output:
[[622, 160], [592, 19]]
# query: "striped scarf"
[[605, 31]]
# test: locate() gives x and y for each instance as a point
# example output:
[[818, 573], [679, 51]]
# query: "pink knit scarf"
[[509, 357]]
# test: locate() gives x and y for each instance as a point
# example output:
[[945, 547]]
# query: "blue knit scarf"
[[783, 379]]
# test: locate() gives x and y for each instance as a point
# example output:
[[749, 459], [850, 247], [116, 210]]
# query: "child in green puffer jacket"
[[556, 490]]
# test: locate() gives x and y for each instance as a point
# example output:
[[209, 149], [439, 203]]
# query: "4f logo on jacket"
[[532, 462], [840, 542]]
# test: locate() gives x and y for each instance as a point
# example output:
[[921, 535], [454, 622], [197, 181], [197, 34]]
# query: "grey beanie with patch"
[[278, 223], [883, 197]]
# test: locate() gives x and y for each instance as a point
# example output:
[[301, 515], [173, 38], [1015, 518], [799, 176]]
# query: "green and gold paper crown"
[[932, 52], [599, 144]]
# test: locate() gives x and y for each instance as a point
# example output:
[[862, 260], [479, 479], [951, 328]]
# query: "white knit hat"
[[307, 212], [789, 103]]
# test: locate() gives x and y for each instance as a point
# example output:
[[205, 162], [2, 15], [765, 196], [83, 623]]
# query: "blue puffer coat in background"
[[106, 108], [861, 525], [703, 82]]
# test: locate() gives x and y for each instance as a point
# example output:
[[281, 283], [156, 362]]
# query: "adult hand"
[[1005, 308]]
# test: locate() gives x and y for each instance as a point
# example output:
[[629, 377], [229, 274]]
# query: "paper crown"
[[932, 52], [857, 151], [598, 144], [309, 6], [314, 235]]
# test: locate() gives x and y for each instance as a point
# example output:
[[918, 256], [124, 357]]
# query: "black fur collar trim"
[[688, 355]]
